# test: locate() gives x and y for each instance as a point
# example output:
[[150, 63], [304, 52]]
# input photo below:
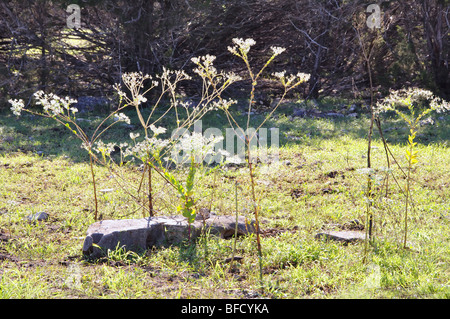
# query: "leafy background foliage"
[[38, 51]]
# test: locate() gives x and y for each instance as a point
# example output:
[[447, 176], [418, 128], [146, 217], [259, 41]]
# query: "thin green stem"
[[256, 213], [93, 183]]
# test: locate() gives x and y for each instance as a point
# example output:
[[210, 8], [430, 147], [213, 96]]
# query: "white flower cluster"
[[131, 79], [223, 104], [178, 74], [120, 117], [292, 80], [104, 149], [17, 106], [440, 105], [149, 146], [157, 130], [134, 136], [206, 70], [134, 81], [205, 66], [410, 97], [242, 47], [54, 104], [277, 50], [140, 99], [196, 146]]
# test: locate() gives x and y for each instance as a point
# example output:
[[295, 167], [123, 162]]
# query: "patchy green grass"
[[315, 186]]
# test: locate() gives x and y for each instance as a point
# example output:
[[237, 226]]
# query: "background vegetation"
[[38, 51]]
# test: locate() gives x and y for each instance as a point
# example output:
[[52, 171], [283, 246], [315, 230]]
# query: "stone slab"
[[144, 233], [346, 236]]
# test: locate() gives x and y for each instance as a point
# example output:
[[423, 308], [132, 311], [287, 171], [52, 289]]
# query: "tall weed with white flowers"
[[153, 150], [411, 105], [241, 48], [60, 110]]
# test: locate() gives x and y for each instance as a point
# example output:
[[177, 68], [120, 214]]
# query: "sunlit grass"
[[49, 172]]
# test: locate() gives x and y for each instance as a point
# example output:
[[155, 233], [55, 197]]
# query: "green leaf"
[[190, 177], [189, 214]]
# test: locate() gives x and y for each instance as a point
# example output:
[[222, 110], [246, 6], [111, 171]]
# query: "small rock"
[[327, 190], [89, 103], [4, 236], [353, 115], [292, 137], [342, 236], [333, 114], [353, 224], [299, 112], [41, 216], [237, 258], [203, 214], [80, 119], [106, 190]]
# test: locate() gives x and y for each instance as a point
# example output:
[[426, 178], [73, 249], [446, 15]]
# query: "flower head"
[[120, 117], [223, 104], [242, 47], [410, 98], [104, 149], [140, 99], [157, 130], [134, 136], [277, 50], [195, 146], [17, 106], [53, 104], [279, 75], [205, 65], [149, 146]]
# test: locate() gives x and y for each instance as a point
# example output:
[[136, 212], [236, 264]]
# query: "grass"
[[313, 187]]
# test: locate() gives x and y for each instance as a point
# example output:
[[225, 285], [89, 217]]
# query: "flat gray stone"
[[144, 233], [334, 114], [41, 216], [299, 112], [346, 236]]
